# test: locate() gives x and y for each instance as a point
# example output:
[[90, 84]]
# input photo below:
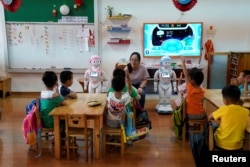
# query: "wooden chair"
[[120, 65], [46, 133], [210, 138], [113, 137], [77, 129], [81, 82], [191, 125]]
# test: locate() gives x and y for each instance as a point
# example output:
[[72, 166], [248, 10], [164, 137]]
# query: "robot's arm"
[[103, 76], [174, 81], [156, 80]]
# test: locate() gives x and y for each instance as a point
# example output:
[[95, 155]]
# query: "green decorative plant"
[[109, 10]]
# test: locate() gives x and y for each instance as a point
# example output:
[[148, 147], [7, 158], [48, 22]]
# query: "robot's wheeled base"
[[164, 108]]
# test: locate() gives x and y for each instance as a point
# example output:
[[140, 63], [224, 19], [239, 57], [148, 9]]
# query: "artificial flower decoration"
[[184, 5], [78, 3], [11, 5]]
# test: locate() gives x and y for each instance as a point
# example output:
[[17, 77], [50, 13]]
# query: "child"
[[233, 120], [50, 98], [66, 78], [195, 92], [182, 90], [116, 102], [243, 81], [133, 92]]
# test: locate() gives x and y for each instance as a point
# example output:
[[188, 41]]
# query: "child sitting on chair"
[[116, 102], [242, 81], [50, 98], [233, 120], [66, 78], [195, 92]]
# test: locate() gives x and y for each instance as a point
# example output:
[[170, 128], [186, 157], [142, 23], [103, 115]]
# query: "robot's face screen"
[[166, 63], [96, 62]]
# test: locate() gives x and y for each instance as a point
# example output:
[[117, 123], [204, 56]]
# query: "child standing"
[[195, 93], [116, 102], [66, 78], [50, 98], [233, 120]]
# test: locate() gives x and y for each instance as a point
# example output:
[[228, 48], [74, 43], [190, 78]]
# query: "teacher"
[[138, 75]]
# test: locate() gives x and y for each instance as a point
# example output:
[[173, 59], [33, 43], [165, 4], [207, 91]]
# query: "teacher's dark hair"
[[137, 55]]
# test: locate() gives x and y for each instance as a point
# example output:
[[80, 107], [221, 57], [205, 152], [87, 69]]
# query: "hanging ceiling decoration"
[[11, 5], [184, 5]]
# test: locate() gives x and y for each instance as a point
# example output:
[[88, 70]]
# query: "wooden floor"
[[159, 149]]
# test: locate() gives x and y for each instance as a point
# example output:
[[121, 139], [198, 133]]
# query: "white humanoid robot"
[[163, 78], [94, 76]]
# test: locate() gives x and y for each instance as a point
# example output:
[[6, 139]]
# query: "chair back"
[[197, 125], [120, 65], [76, 120]]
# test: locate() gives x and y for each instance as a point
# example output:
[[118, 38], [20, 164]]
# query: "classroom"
[[45, 39]]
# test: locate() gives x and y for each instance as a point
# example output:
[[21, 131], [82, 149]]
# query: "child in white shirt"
[[116, 102]]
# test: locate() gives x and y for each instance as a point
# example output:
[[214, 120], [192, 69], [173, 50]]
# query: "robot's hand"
[[155, 89]]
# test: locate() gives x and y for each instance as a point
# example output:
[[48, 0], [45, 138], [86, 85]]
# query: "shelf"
[[119, 17], [119, 30], [120, 42]]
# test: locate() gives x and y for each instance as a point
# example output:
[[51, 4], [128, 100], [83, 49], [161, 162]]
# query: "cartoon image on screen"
[[172, 39]]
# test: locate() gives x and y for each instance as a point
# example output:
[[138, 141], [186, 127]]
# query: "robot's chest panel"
[[165, 75], [94, 74]]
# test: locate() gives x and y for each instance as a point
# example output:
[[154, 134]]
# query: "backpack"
[[130, 131], [142, 118], [177, 119], [31, 125], [29, 106]]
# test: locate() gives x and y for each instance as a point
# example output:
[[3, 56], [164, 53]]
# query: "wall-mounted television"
[[172, 39]]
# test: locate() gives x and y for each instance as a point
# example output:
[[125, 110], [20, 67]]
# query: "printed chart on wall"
[[38, 46]]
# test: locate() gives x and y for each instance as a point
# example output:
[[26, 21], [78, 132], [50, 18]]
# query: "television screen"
[[172, 39]]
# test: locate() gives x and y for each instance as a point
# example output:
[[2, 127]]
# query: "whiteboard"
[[49, 45]]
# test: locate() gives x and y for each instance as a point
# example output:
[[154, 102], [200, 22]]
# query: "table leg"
[[97, 138], [57, 137]]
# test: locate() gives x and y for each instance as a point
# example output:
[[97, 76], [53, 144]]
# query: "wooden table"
[[80, 106], [5, 85], [214, 97], [213, 100]]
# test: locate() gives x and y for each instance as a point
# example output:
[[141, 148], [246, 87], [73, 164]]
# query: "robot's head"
[[95, 60], [165, 61]]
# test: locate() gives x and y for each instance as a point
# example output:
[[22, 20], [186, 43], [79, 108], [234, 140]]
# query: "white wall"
[[228, 17]]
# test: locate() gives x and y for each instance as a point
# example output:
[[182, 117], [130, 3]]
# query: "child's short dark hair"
[[232, 93], [119, 72], [118, 83], [196, 75], [65, 75], [49, 78]]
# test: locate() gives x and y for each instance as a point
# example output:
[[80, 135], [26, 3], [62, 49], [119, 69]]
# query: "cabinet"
[[237, 62], [5, 86], [119, 29], [228, 63]]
